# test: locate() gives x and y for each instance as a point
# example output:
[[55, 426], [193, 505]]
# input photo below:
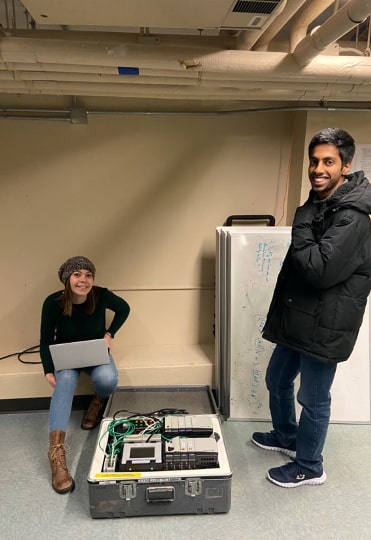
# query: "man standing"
[[317, 306]]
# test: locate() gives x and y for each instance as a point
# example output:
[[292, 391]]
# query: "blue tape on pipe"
[[128, 70]]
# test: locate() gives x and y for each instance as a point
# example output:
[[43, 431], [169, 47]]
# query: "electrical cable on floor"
[[31, 350]]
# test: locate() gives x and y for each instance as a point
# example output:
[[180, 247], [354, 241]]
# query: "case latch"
[[193, 487], [128, 490]]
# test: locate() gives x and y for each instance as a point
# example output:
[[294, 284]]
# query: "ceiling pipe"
[[281, 66], [322, 69], [104, 84], [353, 13], [85, 56], [292, 7], [173, 89], [224, 67], [247, 38], [227, 69], [66, 114], [350, 51], [207, 80], [168, 94], [308, 13], [108, 82], [105, 53]]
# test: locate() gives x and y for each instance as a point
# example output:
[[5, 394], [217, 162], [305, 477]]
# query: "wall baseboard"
[[21, 405]]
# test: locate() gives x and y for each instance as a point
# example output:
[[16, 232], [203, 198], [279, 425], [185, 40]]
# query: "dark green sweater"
[[80, 326]]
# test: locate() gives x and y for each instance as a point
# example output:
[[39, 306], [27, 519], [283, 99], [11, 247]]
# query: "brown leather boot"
[[94, 413], [62, 481]]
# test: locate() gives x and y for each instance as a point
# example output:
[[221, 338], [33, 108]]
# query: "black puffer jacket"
[[322, 289]]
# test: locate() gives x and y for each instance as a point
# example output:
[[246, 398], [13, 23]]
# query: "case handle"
[[160, 494], [258, 217]]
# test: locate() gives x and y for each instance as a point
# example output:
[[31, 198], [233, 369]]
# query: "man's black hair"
[[339, 138]]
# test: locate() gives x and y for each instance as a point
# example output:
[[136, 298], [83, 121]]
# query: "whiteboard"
[[248, 262]]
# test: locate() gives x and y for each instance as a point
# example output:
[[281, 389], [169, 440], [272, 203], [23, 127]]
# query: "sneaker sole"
[[308, 482], [285, 451]]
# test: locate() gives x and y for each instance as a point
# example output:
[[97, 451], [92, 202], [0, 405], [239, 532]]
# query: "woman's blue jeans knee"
[[314, 396], [104, 379]]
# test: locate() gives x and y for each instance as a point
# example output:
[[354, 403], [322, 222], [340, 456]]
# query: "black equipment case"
[[160, 450]]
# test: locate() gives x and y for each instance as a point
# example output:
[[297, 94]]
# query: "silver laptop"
[[79, 354]]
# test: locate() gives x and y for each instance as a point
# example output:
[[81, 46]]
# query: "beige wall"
[[141, 196]]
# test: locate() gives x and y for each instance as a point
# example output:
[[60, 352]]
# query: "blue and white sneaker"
[[269, 441], [292, 475]]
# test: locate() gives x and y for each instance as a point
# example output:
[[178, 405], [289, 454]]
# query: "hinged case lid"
[[197, 399]]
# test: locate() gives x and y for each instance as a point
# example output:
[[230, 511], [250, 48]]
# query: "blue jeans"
[[104, 378], [314, 396]]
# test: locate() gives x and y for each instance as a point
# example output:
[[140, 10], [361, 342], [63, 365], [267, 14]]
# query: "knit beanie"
[[73, 265]]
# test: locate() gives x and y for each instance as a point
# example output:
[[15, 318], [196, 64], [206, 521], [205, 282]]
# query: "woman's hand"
[[108, 338], [50, 377]]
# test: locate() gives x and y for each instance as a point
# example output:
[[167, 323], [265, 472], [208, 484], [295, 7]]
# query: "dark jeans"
[[314, 396]]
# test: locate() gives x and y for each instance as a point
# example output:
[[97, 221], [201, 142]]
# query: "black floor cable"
[[31, 350]]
